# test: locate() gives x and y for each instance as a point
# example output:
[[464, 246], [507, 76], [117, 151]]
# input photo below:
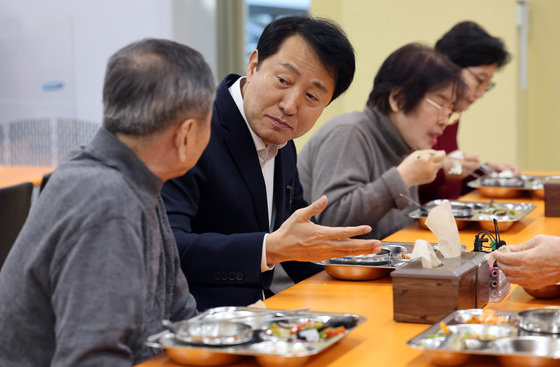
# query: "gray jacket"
[[352, 159], [95, 268]]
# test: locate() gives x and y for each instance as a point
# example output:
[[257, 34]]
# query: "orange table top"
[[13, 175], [380, 341]]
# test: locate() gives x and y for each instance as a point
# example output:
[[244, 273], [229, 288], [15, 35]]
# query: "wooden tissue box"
[[428, 295], [552, 198]]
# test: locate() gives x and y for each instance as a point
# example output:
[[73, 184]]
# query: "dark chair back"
[[15, 202]]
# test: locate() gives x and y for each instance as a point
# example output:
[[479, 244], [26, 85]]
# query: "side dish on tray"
[[274, 337]]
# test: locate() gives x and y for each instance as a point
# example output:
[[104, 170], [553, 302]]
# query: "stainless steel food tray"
[[522, 182], [267, 352], [399, 252], [481, 212], [543, 349]]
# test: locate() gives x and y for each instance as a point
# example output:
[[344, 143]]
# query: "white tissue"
[[442, 224], [457, 168], [425, 251]]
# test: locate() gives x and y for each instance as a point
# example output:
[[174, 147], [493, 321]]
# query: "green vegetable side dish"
[[493, 209], [289, 330]]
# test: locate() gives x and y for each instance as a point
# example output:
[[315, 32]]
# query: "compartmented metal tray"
[[391, 256], [368, 267], [486, 332], [495, 186], [268, 349], [480, 212]]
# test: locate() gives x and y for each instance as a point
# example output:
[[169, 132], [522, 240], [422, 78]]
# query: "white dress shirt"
[[267, 158]]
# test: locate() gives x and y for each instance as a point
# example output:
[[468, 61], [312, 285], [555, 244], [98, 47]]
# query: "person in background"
[[534, 264], [364, 161], [95, 268], [239, 217], [479, 55]]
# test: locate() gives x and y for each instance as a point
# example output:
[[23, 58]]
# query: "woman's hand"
[[421, 166]]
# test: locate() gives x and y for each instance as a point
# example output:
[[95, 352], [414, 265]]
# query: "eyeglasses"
[[489, 84], [450, 116]]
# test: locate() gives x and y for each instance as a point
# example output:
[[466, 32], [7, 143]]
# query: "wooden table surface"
[[380, 341], [12, 175]]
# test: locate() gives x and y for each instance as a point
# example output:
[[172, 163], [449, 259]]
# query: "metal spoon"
[[422, 207], [487, 169], [272, 314]]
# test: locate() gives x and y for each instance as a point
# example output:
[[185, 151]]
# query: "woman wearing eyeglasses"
[[364, 160], [479, 55]]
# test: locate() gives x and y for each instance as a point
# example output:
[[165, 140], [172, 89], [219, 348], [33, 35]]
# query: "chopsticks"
[[487, 169]]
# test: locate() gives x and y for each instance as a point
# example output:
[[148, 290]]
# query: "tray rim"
[[153, 341], [414, 341], [537, 184], [529, 207]]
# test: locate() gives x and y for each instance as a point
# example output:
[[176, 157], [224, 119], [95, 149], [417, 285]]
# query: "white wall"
[[65, 44]]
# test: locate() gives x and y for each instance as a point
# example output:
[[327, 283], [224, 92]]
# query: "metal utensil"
[[271, 314], [422, 207], [487, 169]]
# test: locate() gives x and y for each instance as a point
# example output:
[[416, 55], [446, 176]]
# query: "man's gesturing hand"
[[300, 239]]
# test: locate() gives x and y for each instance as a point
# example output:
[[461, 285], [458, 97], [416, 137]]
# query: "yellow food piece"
[[444, 327]]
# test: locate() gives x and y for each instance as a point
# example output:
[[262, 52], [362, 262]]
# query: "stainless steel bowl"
[[538, 193], [446, 357], [524, 351], [200, 357], [488, 225], [282, 354], [499, 192], [541, 320], [362, 267], [551, 291], [227, 313], [349, 272], [191, 354], [211, 333]]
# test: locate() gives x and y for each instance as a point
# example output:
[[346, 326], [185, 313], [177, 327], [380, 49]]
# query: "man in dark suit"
[[240, 212]]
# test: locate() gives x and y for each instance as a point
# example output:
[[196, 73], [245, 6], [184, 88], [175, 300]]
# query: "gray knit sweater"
[[95, 268], [352, 159]]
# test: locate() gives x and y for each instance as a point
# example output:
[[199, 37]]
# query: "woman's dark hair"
[[468, 44], [327, 39], [413, 70]]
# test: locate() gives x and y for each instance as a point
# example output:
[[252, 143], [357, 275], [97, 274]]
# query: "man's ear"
[[182, 136], [394, 99], [253, 62]]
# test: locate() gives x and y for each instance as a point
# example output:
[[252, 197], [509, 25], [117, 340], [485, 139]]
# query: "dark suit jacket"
[[218, 211]]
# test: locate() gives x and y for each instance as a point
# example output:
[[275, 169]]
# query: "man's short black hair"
[[468, 44], [327, 39]]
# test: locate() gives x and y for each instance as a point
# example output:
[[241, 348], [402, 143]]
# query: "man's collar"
[[272, 149]]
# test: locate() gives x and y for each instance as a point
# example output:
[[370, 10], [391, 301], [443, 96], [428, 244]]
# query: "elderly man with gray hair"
[[95, 268]]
